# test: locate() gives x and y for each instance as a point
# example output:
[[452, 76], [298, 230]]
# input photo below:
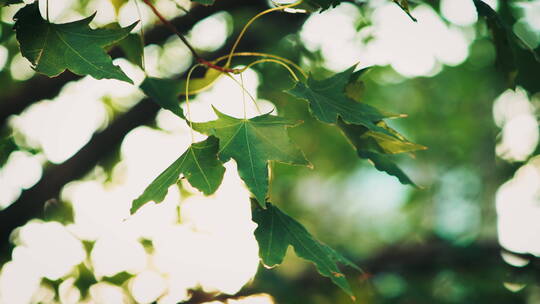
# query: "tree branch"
[[39, 87], [30, 204]]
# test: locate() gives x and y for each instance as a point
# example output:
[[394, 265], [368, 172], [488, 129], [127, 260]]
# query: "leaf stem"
[[274, 61], [173, 29], [243, 94], [258, 54], [248, 24], [187, 102], [143, 63], [47, 10], [246, 91]]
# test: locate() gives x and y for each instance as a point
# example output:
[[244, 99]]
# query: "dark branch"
[[30, 204], [22, 95]]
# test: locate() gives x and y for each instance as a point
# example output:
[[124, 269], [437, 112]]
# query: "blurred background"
[[76, 152]]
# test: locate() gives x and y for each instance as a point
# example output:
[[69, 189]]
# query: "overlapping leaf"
[[164, 92], [328, 101], [252, 143], [319, 5], [277, 231], [53, 48], [519, 64], [322, 5], [377, 147], [199, 165], [502, 39], [133, 49]]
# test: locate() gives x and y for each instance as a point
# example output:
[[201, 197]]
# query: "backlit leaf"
[[328, 101], [276, 231], [318, 5], [53, 48], [252, 143], [502, 40], [199, 165], [377, 146], [164, 92]]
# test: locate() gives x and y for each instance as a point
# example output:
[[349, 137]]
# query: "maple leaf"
[[252, 143], [53, 48], [377, 146], [199, 165], [276, 231], [328, 101], [318, 5], [165, 92]]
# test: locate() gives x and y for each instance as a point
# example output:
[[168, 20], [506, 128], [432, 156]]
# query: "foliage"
[[53, 48], [199, 165], [336, 105], [276, 231]]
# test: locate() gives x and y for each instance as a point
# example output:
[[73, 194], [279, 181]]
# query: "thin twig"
[[172, 28]]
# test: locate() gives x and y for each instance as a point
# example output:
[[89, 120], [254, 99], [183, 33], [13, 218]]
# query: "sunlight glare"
[[68, 293], [211, 33], [226, 95], [459, 12], [518, 210], [412, 49], [105, 293], [215, 245], [35, 250], [21, 171], [114, 254], [18, 283], [519, 138], [4, 55], [147, 286], [20, 68]]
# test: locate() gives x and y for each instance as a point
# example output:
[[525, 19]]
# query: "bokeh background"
[[83, 149]]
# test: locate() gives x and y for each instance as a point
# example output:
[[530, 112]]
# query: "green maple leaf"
[[319, 5], [516, 60], [503, 39], [53, 48], [328, 101], [133, 49], [276, 231], [377, 147], [252, 143], [199, 165], [164, 92]]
